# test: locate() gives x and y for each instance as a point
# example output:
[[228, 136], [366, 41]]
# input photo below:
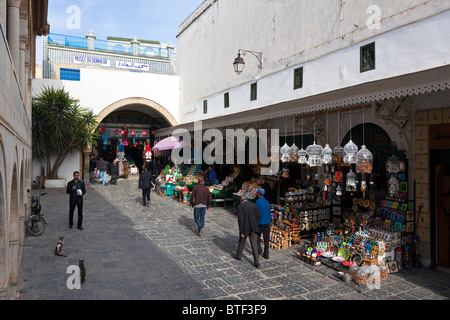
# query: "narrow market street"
[[132, 252]]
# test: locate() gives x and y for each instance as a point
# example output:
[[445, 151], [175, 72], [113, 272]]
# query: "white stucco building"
[[336, 65], [20, 22]]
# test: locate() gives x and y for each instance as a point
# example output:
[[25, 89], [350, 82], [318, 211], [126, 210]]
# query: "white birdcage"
[[327, 154], [314, 152], [364, 160], [350, 150]]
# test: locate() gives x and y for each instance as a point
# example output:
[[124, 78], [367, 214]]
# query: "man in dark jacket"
[[146, 182], [76, 189], [114, 171], [248, 216], [102, 166], [200, 201]]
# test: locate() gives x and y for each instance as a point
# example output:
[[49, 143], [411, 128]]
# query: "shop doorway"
[[440, 207]]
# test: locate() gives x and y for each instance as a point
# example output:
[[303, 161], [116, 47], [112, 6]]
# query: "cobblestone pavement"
[[134, 252]]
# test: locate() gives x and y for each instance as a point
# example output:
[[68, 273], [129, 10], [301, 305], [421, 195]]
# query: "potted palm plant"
[[59, 126]]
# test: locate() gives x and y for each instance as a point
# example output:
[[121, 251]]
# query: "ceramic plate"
[[338, 259]]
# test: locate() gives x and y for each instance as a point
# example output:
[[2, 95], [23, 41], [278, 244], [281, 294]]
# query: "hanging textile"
[[105, 141], [125, 136]]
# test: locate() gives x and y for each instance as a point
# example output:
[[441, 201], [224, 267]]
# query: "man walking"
[[264, 222], [248, 216], [102, 166], [146, 182], [200, 201], [76, 189]]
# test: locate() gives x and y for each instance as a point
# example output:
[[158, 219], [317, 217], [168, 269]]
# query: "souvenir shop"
[[130, 146]]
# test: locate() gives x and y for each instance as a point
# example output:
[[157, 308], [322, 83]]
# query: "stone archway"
[[137, 100], [3, 221]]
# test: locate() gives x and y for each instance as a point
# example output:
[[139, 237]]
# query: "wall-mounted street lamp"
[[239, 62]]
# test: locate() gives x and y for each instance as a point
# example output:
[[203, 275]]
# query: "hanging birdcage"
[[314, 152], [351, 181], [338, 157], [275, 153], [327, 154], [302, 156], [350, 150], [393, 186], [293, 153], [364, 160], [285, 153], [393, 164]]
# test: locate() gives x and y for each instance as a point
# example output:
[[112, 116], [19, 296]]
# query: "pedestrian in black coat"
[[114, 171], [248, 216], [76, 189], [146, 182]]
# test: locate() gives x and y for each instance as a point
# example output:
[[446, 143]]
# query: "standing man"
[[146, 182], [114, 171], [200, 201], [248, 216], [102, 166], [92, 165], [264, 222], [76, 189]]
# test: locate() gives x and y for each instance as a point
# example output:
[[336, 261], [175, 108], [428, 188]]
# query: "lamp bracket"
[[258, 55]]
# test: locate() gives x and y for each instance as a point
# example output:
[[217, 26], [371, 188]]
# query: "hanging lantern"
[[293, 153], [338, 155], [364, 160], [302, 156], [285, 153], [314, 152], [350, 150], [351, 181], [327, 154], [393, 164]]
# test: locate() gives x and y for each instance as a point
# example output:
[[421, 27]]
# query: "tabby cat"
[[59, 247]]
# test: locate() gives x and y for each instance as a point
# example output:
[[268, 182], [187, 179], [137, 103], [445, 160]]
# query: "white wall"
[[413, 37], [98, 89]]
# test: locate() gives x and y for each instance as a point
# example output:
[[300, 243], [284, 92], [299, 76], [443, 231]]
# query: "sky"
[[145, 19]]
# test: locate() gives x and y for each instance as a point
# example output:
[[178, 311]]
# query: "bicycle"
[[35, 224]]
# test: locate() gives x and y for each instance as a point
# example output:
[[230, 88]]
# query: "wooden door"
[[443, 215]]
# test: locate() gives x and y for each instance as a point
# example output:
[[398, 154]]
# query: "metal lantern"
[[393, 164], [302, 156], [350, 150], [293, 153], [327, 154], [314, 152], [364, 160], [285, 153]]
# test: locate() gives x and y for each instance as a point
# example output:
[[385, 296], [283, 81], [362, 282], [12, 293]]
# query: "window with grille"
[[298, 78], [69, 74], [226, 100], [367, 59], [205, 106], [253, 91]]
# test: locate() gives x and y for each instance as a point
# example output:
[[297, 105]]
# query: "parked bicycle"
[[35, 224]]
